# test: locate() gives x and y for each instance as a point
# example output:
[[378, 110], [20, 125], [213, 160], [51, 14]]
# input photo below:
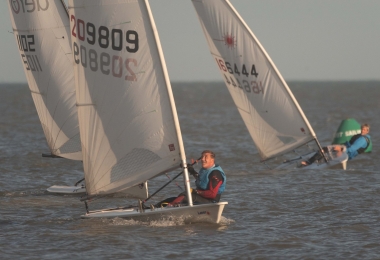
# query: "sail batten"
[[127, 124], [268, 108]]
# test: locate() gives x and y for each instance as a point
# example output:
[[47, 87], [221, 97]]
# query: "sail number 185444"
[[233, 73]]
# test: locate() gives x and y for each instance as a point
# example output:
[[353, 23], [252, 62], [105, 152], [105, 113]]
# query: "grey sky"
[[306, 39]]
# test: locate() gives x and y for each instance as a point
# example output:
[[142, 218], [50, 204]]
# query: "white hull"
[[67, 189], [197, 213], [139, 192], [335, 162]]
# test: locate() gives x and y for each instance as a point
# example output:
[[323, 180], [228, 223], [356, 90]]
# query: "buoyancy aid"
[[202, 180], [355, 137]]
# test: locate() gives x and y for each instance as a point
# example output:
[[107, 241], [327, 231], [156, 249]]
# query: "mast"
[[172, 104]]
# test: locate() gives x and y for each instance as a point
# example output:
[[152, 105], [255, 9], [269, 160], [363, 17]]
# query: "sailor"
[[210, 183], [357, 145]]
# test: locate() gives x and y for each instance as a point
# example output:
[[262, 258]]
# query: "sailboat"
[[127, 115], [267, 106], [41, 30]]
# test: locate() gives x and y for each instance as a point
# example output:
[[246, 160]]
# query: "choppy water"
[[329, 214]]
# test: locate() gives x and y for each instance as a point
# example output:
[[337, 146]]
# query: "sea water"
[[292, 214]]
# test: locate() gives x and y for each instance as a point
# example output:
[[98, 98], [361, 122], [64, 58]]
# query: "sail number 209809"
[[233, 73], [105, 38]]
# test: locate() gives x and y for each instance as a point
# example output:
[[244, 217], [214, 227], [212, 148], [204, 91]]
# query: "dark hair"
[[210, 152]]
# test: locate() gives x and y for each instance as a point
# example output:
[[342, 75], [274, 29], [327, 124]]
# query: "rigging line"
[[265, 163], [169, 182], [167, 175], [93, 198], [79, 182]]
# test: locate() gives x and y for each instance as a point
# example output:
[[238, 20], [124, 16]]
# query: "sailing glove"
[[191, 170]]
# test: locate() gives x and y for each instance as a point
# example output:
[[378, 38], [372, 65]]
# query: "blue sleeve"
[[361, 142]]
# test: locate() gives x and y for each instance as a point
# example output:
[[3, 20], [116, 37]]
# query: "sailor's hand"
[[191, 170], [337, 148], [194, 191]]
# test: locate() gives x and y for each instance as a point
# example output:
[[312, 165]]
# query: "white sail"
[[41, 30], [128, 122], [273, 117]]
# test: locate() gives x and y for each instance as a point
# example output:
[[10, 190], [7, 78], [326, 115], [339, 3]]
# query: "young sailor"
[[357, 145]]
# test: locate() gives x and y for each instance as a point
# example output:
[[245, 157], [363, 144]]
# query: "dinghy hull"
[[67, 189], [336, 161], [210, 213]]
